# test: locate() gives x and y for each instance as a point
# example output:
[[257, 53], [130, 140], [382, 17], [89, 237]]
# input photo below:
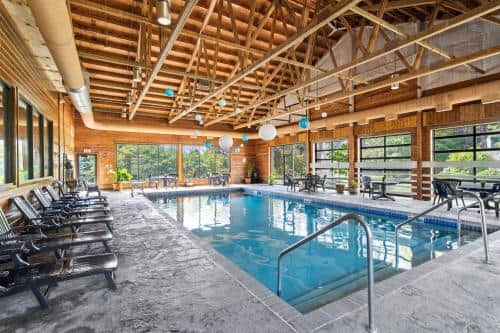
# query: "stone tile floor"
[[168, 283]]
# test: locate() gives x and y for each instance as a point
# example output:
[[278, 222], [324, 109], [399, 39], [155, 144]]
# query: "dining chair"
[[366, 183]]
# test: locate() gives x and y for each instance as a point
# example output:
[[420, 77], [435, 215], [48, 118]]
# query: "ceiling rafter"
[[428, 33]]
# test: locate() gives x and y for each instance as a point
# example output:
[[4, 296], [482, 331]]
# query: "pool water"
[[251, 231]]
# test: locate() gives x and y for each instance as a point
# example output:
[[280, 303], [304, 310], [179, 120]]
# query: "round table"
[[383, 189]]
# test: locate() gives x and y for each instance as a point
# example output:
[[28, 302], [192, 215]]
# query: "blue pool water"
[[251, 231]]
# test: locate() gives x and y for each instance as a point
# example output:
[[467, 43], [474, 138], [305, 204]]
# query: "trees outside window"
[[146, 161], [199, 162], [382, 151], [462, 146], [288, 160]]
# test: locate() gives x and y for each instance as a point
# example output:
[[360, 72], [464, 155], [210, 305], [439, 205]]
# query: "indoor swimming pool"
[[251, 230]]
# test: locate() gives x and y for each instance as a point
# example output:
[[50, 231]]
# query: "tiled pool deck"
[[169, 281]]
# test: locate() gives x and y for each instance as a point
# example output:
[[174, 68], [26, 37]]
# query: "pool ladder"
[[484, 227], [369, 258]]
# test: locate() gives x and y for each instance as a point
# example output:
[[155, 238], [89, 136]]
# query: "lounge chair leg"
[[109, 227], [110, 277], [42, 300], [106, 246]]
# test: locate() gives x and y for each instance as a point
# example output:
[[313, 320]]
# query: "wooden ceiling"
[[222, 39]]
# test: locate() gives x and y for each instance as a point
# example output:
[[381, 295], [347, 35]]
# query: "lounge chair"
[[38, 241], [72, 201], [64, 208], [76, 194], [54, 219], [20, 275], [494, 199]]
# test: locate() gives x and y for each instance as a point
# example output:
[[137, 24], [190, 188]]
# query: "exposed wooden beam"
[[446, 65], [167, 71], [185, 32], [179, 25], [432, 31], [379, 21], [323, 17]]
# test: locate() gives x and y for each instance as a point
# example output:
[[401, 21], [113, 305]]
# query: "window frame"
[[387, 159], [9, 135], [474, 135], [136, 147]]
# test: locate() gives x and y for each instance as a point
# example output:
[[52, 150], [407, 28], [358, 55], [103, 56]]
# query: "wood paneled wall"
[[19, 70], [103, 144]]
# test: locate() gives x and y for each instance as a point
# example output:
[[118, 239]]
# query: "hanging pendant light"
[[324, 114], [244, 137], [163, 16], [137, 74], [225, 142], [222, 102], [267, 132], [304, 123], [395, 85]]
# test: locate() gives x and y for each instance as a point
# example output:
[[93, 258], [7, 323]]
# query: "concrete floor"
[[169, 283]]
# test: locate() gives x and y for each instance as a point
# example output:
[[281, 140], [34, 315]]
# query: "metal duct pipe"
[[54, 23]]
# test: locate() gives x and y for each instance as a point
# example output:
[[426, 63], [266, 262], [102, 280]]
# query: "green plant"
[[271, 179], [353, 184], [250, 168], [121, 175]]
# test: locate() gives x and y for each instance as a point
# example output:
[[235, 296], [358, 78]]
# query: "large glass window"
[[36, 143], [199, 162], [472, 151], [382, 154], [3, 133], [23, 135], [331, 158], [288, 160], [145, 161]]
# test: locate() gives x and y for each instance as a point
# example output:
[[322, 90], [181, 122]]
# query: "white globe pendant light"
[[267, 132], [226, 142]]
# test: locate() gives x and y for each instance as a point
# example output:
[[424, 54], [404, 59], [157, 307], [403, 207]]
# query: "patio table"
[[305, 180], [484, 191], [383, 189]]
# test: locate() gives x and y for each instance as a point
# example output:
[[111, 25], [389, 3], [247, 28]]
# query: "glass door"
[[87, 167]]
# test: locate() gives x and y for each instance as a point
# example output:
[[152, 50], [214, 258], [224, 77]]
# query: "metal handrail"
[[413, 218], [369, 258], [484, 227]]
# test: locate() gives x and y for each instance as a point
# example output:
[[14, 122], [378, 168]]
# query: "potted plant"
[[121, 175], [250, 169], [353, 187], [188, 182], [338, 156]]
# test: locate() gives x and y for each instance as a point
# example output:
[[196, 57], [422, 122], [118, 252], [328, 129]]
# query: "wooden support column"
[[180, 171], [352, 151], [416, 173]]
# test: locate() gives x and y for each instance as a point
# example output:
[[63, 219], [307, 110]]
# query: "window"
[[34, 143], [5, 134], [382, 153], [470, 150], [331, 159], [145, 161], [288, 160], [199, 162], [23, 151]]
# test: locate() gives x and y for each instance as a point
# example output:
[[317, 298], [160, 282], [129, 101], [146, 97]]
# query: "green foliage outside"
[[288, 160], [145, 161], [199, 162], [338, 156]]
